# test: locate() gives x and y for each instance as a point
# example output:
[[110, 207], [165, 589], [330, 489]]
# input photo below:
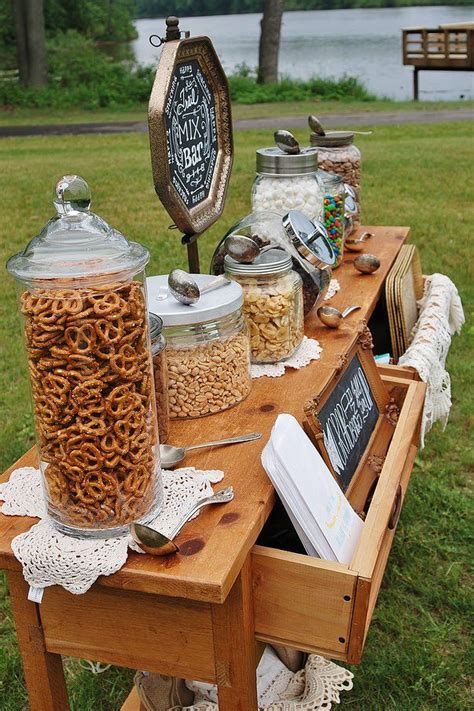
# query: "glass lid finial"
[[72, 195]]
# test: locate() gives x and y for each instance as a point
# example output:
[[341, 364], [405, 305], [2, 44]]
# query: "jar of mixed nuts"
[[338, 154], [334, 212], [160, 375], [208, 349], [273, 304], [288, 181]]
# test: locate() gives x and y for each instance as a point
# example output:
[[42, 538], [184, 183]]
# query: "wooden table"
[[191, 615]]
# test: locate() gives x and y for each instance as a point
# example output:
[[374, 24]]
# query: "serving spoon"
[[157, 543], [316, 126], [171, 456], [357, 244], [244, 249], [332, 317], [185, 289]]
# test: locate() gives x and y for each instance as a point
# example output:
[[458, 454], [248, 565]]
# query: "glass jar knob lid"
[[71, 195]]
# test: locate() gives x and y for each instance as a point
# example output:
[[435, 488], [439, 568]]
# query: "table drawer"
[[325, 607]]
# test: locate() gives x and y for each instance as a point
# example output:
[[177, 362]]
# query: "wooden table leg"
[[43, 670], [234, 644]]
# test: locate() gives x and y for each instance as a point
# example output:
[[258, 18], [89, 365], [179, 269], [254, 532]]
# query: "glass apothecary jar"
[[305, 241], [286, 181], [273, 304], [208, 348], [82, 296], [334, 195], [160, 376], [338, 154]]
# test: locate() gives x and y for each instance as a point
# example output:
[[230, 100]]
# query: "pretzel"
[[91, 380]]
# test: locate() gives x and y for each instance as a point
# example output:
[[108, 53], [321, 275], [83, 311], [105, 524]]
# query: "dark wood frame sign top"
[[351, 420]]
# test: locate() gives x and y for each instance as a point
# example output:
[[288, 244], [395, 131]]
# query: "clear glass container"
[[208, 348], [334, 212], [294, 233], [338, 154], [160, 376], [286, 181], [82, 296], [273, 304]]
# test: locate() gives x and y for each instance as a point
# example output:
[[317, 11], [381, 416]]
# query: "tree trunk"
[[30, 41], [269, 46]]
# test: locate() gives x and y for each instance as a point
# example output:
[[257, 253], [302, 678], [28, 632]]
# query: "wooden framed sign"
[[345, 419], [190, 129]]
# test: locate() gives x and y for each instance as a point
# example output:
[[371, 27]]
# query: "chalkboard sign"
[[190, 129], [191, 133], [344, 418], [348, 419]]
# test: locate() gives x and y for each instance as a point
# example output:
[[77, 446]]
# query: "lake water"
[[361, 43]]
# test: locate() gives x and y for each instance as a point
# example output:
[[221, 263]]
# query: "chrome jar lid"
[[310, 238], [272, 262], [274, 161]]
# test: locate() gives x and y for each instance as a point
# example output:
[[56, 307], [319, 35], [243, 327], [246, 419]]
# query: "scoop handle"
[[220, 497], [230, 440]]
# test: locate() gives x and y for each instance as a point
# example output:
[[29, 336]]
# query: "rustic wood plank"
[[148, 632], [234, 643], [132, 702], [217, 542], [43, 670]]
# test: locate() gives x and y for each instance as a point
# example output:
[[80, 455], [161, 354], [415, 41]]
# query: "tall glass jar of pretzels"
[[82, 297]]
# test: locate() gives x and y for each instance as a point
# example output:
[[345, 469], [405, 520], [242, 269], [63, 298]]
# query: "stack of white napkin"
[[323, 518]]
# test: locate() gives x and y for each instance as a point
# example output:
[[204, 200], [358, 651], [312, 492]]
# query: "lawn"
[[417, 655], [22, 117]]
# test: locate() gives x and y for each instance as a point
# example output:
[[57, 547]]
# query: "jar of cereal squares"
[[273, 304], [83, 300], [207, 347]]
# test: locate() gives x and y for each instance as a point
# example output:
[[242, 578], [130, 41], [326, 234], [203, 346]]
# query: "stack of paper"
[[323, 518]]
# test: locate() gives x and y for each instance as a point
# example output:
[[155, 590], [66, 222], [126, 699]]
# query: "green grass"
[[32, 116], [417, 655]]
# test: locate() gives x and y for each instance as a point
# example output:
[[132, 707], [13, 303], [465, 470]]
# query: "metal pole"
[[193, 257], [415, 84]]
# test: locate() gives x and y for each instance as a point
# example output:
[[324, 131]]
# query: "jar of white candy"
[[287, 182]]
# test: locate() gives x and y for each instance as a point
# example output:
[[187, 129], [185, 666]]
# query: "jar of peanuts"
[[273, 304], [160, 376], [208, 349], [338, 154], [83, 301]]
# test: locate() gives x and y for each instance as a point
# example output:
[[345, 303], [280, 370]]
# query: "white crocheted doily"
[[308, 350], [333, 288], [49, 557]]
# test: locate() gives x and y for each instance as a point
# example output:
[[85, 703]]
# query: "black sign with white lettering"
[[348, 418], [191, 133]]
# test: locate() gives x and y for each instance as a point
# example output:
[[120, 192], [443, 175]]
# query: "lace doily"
[[441, 316], [316, 687], [333, 288], [49, 557], [308, 350]]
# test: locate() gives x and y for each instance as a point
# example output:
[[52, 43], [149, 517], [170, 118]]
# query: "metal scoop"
[[286, 142], [184, 288], [157, 543], [356, 244], [316, 126], [244, 249], [332, 317], [171, 456]]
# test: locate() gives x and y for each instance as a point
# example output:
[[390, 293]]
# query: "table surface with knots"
[[214, 546]]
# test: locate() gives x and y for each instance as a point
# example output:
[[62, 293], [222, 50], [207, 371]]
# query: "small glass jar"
[[334, 212], [273, 304], [160, 376], [338, 154], [287, 182], [83, 300], [208, 349]]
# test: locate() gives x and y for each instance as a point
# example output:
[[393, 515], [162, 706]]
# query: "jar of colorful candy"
[[334, 195]]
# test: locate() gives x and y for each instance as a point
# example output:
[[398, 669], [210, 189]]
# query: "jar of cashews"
[[83, 301]]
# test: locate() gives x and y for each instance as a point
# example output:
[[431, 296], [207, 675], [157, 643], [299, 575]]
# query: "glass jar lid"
[[211, 306], [76, 246], [310, 238], [332, 139], [274, 161], [273, 261]]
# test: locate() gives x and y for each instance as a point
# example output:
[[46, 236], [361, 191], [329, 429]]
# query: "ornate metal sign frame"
[[365, 473], [191, 220]]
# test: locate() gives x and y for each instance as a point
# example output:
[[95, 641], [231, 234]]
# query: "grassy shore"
[[33, 116], [417, 653]]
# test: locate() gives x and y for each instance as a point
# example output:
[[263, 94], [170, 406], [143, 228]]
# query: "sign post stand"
[[190, 128]]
